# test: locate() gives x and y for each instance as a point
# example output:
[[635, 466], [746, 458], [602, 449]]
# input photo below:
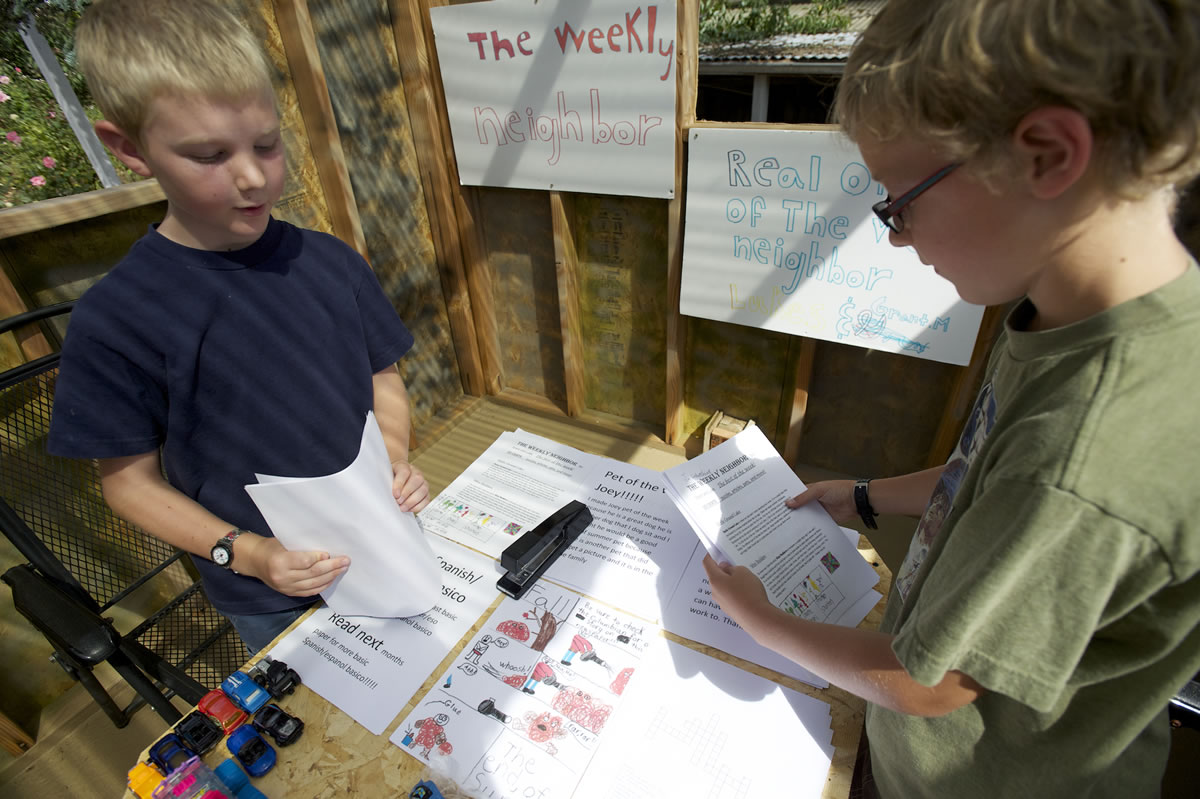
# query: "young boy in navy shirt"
[[226, 343], [1049, 603]]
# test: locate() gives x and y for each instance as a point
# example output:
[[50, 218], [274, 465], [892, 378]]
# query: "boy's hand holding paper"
[[393, 571], [733, 496]]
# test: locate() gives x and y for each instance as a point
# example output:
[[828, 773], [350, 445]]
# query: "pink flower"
[[4, 98], [38, 180], [49, 162], [18, 69], [4, 79], [51, 114], [13, 137]]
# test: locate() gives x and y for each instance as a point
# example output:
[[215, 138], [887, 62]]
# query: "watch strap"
[[862, 503], [226, 543]]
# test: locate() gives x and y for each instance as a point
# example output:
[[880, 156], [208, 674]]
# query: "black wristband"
[[863, 504]]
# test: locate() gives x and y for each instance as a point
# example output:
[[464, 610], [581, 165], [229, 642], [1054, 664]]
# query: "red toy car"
[[221, 709]]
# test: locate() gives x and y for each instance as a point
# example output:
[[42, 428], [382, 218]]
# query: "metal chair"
[[83, 561], [1184, 708]]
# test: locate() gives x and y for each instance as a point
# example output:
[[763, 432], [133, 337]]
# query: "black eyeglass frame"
[[888, 210]]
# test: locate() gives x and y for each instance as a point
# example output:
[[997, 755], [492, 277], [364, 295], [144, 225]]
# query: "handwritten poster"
[[522, 708], [780, 235], [370, 667], [557, 94]]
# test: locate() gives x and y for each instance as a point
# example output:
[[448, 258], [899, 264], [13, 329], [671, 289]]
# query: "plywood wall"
[[357, 50], [476, 274]]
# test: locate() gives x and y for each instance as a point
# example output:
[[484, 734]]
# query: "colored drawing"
[[830, 562]]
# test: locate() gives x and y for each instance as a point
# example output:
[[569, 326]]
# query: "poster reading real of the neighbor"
[[779, 234], [561, 94]]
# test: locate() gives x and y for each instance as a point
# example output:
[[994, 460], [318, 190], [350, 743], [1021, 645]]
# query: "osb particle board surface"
[[336, 755]]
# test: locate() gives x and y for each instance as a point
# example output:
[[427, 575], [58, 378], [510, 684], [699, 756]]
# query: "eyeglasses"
[[889, 210]]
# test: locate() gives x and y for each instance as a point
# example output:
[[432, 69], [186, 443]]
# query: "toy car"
[[199, 732], [218, 707], [143, 778], [169, 753], [283, 727], [251, 750], [275, 676], [425, 790], [244, 691]]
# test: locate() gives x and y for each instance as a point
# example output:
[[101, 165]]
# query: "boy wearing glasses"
[[1049, 603]]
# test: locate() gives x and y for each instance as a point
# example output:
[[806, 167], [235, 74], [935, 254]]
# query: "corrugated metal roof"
[[797, 48]]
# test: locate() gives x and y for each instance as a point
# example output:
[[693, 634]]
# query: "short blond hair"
[[132, 51], [962, 73]]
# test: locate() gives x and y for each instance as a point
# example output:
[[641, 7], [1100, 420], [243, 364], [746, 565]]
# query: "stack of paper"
[[392, 570], [733, 498]]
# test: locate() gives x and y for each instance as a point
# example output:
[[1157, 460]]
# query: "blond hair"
[[962, 73], [132, 51]]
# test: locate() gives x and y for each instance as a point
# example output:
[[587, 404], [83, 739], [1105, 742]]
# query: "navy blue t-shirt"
[[256, 360]]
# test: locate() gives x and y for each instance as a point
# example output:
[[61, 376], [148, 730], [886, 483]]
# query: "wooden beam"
[[30, 340], [566, 268], [13, 739], [963, 390], [312, 94], [467, 217], [46, 214], [803, 352], [438, 186], [686, 60]]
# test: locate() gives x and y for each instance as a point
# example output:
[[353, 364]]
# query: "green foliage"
[[726, 21], [33, 129], [56, 20]]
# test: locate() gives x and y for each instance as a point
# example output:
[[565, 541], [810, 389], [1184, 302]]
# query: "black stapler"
[[529, 556]]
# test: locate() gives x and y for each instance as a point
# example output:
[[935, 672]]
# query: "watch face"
[[220, 556]]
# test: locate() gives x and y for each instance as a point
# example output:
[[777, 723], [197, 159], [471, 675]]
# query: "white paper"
[[518, 481], [695, 615], [521, 709], [780, 235], [393, 571], [693, 726], [631, 556], [734, 497], [369, 668], [637, 547], [559, 94]]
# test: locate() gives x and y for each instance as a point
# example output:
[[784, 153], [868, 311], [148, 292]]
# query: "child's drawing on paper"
[[516, 630], [477, 651], [427, 733], [617, 686], [541, 673], [547, 626], [542, 729], [488, 708], [578, 706], [587, 653], [531, 694]]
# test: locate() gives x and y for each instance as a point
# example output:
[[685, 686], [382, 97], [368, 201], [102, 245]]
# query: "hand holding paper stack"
[[393, 571], [733, 495]]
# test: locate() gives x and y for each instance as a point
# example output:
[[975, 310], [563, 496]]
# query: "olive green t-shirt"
[[1057, 565]]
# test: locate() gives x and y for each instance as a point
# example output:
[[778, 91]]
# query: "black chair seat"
[[85, 564]]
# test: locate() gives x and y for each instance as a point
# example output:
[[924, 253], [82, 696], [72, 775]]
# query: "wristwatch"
[[222, 551], [863, 504]]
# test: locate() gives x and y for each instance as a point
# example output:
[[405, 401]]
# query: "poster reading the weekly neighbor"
[[563, 95], [779, 234]]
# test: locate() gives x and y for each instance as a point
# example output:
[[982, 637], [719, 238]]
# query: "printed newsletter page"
[[733, 495]]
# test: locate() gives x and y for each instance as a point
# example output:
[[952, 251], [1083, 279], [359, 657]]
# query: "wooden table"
[[338, 756]]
